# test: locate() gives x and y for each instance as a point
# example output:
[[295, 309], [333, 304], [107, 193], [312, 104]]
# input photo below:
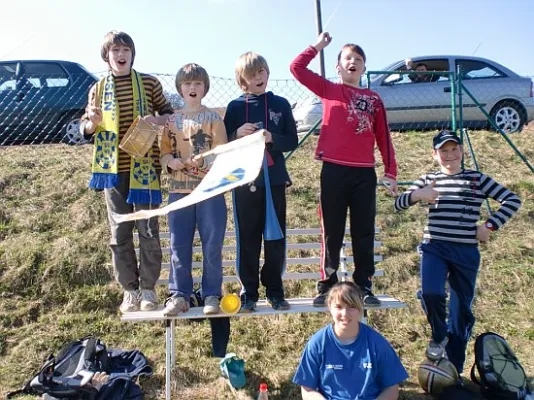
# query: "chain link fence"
[[42, 101]]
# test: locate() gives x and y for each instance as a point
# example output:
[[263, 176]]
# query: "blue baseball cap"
[[443, 137]]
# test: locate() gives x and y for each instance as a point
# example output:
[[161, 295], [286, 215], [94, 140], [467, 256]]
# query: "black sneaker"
[[320, 300], [248, 306], [370, 300], [279, 304]]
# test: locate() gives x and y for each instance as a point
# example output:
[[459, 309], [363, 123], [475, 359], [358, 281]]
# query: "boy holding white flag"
[[189, 132], [260, 208]]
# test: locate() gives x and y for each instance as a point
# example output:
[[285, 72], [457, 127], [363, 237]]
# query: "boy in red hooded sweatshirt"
[[354, 119]]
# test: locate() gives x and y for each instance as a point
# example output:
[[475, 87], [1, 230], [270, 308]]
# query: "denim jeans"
[[210, 218], [457, 264]]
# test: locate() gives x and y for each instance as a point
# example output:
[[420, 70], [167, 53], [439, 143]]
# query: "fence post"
[[461, 110], [452, 77]]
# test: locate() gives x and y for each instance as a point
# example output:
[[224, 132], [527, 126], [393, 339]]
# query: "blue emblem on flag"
[[233, 177]]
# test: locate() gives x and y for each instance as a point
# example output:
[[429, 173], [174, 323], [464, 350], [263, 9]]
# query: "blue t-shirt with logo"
[[357, 371]]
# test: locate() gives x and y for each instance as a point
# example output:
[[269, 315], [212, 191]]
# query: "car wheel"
[[508, 116], [72, 132]]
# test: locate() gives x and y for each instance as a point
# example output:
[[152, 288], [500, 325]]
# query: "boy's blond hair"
[[115, 38], [247, 65], [192, 72], [347, 294]]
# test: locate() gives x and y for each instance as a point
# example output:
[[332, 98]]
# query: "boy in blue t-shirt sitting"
[[348, 359]]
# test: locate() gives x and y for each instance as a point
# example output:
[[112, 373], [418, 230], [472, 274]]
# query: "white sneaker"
[[149, 300], [130, 301], [175, 305], [436, 351], [211, 305]]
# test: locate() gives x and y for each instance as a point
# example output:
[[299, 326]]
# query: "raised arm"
[[299, 67]]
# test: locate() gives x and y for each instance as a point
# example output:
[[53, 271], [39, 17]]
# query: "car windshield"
[[374, 77]]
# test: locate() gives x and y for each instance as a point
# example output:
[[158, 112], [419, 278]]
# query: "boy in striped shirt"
[[449, 250], [137, 279]]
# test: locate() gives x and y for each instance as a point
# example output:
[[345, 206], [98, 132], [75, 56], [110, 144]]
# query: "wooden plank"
[[287, 276], [289, 261], [301, 305], [289, 232], [289, 246]]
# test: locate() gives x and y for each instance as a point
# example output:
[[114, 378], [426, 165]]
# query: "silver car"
[[413, 103]]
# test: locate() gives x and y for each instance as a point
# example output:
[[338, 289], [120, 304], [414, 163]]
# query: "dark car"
[[42, 101]]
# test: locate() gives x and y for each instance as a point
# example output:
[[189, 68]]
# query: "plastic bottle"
[[263, 392]]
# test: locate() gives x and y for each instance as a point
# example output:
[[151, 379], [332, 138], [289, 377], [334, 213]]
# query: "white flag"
[[236, 163]]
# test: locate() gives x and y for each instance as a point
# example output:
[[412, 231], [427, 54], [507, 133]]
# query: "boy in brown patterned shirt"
[[188, 133]]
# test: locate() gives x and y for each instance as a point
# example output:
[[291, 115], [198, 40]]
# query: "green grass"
[[56, 283]]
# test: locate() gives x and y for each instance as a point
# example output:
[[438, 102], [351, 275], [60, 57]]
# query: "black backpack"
[[68, 375], [500, 375]]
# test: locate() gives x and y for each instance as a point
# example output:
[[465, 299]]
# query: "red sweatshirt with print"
[[354, 120]]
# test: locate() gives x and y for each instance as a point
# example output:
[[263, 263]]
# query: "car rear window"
[[49, 74], [474, 69]]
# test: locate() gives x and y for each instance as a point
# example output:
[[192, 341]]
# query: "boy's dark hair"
[[192, 72], [114, 38], [421, 65], [355, 48]]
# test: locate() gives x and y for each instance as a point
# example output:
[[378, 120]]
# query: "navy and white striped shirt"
[[457, 209]]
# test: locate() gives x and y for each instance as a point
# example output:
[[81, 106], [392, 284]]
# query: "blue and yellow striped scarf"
[[144, 182]]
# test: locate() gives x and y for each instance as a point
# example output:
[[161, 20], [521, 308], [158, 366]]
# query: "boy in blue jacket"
[[258, 109]]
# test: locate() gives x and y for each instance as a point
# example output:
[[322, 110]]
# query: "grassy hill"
[[56, 283]]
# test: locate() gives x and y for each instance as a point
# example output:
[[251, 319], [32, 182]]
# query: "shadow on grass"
[[288, 390], [411, 391], [181, 377]]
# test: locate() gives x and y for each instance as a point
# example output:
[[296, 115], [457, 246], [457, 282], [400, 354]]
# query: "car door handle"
[[447, 89]]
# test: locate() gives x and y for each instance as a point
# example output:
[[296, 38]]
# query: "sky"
[[213, 33]]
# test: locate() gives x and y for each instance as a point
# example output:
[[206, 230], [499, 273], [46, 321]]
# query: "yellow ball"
[[230, 303]]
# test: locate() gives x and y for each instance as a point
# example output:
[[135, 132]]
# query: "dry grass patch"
[[56, 285]]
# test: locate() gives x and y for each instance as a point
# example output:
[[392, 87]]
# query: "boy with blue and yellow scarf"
[[129, 184]]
